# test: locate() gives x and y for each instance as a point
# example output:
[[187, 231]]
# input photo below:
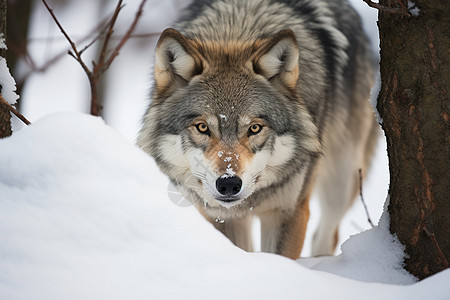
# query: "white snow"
[[2, 41], [7, 82], [84, 214], [373, 256], [223, 117], [413, 9], [374, 97], [229, 172]]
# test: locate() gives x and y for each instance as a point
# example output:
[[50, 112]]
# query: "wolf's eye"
[[202, 128], [255, 129]]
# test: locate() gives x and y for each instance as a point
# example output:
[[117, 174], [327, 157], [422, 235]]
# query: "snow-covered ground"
[[84, 214]]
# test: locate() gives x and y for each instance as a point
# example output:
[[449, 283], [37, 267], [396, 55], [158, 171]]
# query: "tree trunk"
[[415, 107], [19, 13], [5, 116]]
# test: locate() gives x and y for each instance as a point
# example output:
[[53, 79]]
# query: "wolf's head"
[[226, 119]]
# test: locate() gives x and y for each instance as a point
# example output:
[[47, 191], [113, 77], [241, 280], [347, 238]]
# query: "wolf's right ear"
[[176, 61], [277, 58]]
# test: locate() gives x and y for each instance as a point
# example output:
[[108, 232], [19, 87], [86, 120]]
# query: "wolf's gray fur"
[[298, 71]]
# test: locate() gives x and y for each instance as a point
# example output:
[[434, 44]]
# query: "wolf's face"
[[229, 136], [221, 124]]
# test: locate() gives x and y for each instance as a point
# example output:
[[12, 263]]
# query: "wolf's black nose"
[[228, 186]]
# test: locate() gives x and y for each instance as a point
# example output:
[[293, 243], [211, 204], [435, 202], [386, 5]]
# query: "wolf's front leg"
[[238, 230], [283, 231]]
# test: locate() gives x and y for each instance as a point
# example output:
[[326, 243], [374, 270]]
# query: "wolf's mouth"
[[227, 191], [228, 199]]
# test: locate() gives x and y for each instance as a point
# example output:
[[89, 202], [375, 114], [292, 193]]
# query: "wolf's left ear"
[[277, 58], [176, 60]]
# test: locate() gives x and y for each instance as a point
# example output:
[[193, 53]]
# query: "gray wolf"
[[255, 105]]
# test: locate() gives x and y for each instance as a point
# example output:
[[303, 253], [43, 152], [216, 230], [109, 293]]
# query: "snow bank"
[[373, 256], [85, 215]]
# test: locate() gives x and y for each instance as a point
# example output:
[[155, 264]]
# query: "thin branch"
[[100, 66], [13, 110], [72, 44], [432, 236], [97, 36], [389, 10], [402, 5], [126, 36], [362, 198], [103, 23], [57, 57], [109, 33], [77, 54]]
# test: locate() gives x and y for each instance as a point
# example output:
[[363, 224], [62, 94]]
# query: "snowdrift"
[[86, 215]]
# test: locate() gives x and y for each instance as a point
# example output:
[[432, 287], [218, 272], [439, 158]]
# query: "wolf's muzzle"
[[229, 186]]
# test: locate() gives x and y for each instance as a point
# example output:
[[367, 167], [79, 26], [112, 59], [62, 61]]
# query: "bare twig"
[[35, 69], [13, 110], [402, 5], [97, 36], [362, 198], [127, 35], [76, 53], [57, 57], [109, 33], [432, 236], [103, 63], [389, 10]]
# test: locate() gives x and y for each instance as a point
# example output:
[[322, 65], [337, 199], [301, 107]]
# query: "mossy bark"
[[415, 107]]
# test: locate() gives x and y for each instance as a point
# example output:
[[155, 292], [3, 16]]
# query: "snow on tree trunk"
[[5, 116], [415, 107]]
